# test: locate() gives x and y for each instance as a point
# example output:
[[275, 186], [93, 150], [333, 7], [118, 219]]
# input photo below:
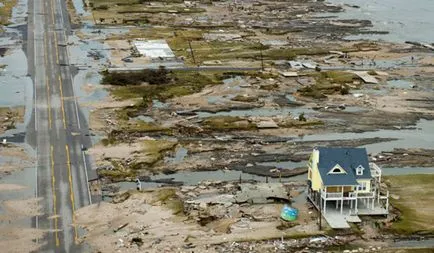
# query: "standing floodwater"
[[404, 20]]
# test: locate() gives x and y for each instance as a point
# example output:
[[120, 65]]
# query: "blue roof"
[[349, 159]]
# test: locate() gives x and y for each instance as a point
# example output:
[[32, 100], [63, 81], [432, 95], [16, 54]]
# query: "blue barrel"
[[289, 213]]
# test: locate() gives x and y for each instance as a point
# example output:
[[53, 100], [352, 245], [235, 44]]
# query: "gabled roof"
[[349, 159]]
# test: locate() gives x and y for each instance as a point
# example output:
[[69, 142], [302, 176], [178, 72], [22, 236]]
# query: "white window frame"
[[362, 186], [359, 170], [337, 166]]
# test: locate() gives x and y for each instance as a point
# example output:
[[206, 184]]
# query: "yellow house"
[[342, 175]]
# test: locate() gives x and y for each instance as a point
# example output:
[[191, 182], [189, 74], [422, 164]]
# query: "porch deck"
[[337, 220]]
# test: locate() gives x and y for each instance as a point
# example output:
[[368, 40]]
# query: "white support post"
[[373, 202], [355, 205], [378, 197], [325, 199], [387, 201], [342, 201]]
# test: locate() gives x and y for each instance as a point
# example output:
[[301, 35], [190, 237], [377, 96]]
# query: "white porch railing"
[[352, 195], [375, 170], [365, 194], [331, 195]]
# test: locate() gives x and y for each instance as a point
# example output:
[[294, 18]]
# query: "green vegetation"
[[6, 11], [291, 53], [153, 150], [150, 76], [225, 123], [339, 77], [415, 203], [116, 175], [119, 172], [180, 83], [170, 9], [142, 126], [248, 99], [260, 74], [168, 198], [329, 82], [300, 123]]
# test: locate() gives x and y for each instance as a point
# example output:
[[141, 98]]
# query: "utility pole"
[[192, 53], [320, 212]]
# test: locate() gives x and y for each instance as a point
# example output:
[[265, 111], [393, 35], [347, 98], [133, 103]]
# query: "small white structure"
[[154, 49]]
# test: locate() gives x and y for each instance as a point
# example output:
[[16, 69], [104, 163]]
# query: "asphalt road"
[[57, 129]]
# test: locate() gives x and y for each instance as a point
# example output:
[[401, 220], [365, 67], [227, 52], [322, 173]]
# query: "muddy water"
[[404, 20], [79, 7], [421, 137]]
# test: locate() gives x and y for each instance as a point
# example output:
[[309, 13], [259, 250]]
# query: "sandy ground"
[[13, 158], [24, 207], [11, 187], [102, 113], [16, 239], [13, 236], [120, 151], [161, 231]]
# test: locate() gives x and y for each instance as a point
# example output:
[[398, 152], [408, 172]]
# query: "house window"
[[337, 170], [362, 186], [359, 170]]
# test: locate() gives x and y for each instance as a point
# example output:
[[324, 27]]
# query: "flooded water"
[[79, 7], [404, 20], [16, 87], [195, 177], [421, 137], [26, 178], [400, 84]]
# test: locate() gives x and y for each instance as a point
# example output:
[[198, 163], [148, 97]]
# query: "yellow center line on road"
[[46, 82], [61, 103], [53, 185], [71, 194]]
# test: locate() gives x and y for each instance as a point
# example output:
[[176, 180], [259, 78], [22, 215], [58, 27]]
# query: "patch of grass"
[[176, 205], [329, 82], [142, 126], [291, 123], [168, 198], [247, 99], [117, 175], [6, 11], [292, 53], [181, 83], [153, 150], [260, 74], [227, 123], [165, 194], [150, 76], [221, 50], [339, 77], [415, 203], [153, 10]]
